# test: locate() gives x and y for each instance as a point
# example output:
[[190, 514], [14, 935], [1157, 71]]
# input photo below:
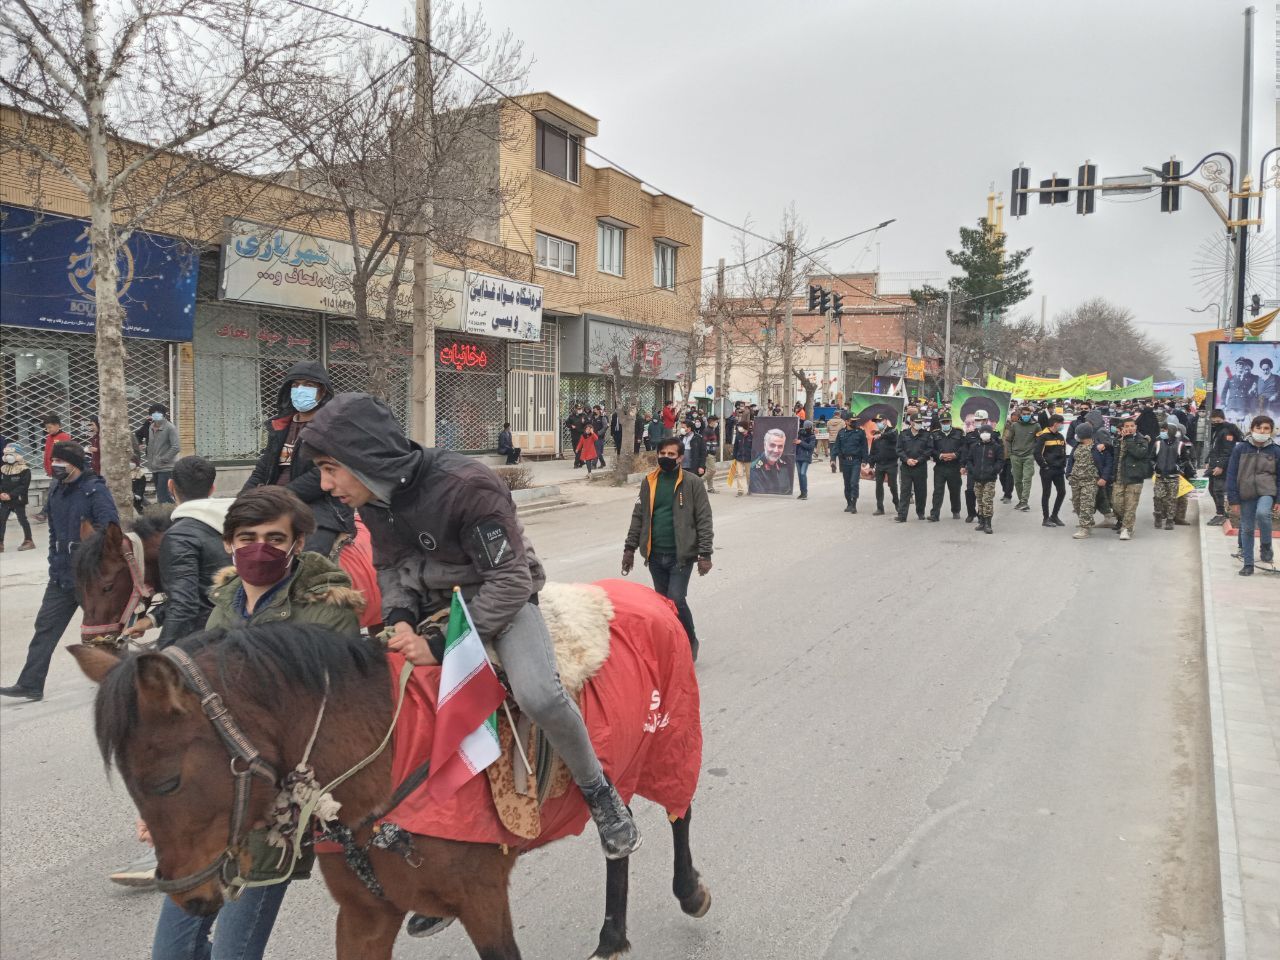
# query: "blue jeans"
[[802, 471], [1255, 515], [244, 926], [672, 581]]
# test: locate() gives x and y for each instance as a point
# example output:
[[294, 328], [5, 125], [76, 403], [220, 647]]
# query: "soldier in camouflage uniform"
[[984, 459], [1088, 471], [1133, 466], [1171, 461]]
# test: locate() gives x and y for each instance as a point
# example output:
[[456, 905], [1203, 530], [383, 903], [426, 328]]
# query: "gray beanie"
[[1084, 431]]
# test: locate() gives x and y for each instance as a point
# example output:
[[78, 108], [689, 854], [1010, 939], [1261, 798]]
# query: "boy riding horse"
[[440, 519]]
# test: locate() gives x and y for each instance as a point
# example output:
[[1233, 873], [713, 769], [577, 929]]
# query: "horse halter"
[[246, 763], [111, 634]]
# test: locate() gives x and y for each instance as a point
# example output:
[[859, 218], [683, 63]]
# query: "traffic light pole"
[[1246, 135]]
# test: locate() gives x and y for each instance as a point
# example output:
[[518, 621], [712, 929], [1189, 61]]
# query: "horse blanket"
[[641, 709]]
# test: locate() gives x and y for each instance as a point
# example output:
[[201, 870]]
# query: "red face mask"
[[261, 564]]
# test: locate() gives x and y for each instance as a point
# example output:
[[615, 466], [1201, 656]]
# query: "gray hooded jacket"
[[441, 519]]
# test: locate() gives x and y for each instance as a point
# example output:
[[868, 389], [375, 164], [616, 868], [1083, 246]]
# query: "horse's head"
[[175, 767], [115, 571]]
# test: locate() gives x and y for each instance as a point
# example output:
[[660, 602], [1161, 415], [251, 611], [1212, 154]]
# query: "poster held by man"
[[966, 400], [773, 461]]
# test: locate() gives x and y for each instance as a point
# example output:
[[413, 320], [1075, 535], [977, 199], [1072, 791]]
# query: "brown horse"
[[113, 581], [269, 683]]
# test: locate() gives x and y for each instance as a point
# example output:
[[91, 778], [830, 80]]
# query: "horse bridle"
[[246, 763], [110, 634]]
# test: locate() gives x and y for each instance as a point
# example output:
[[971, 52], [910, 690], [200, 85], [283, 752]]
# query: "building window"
[[664, 265], [609, 244], [556, 254], [557, 152]]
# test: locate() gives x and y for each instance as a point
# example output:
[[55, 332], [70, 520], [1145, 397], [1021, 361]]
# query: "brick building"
[[608, 264]]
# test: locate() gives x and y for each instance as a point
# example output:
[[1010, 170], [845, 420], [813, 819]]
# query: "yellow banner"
[[1200, 394], [1184, 486], [1095, 379], [1052, 389], [999, 383], [915, 369], [1022, 379]]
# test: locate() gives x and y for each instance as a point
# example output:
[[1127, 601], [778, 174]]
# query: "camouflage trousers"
[[985, 494], [1084, 498], [1124, 501], [1168, 505]]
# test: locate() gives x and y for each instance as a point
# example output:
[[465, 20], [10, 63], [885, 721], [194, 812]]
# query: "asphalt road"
[[921, 742]]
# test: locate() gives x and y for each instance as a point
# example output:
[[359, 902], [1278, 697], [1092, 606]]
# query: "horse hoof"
[[698, 909]]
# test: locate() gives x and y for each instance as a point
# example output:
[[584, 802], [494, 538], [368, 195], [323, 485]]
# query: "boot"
[[853, 507], [1084, 533], [848, 506], [879, 512], [987, 527], [933, 518], [618, 834], [1168, 524], [1159, 522], [27, 545], [803, 496], [969, 519], [955, 514]]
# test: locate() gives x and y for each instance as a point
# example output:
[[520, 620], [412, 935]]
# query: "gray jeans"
[[529, 660]]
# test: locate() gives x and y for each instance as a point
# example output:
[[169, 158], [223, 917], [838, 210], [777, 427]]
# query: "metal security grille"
[[43, 373], [348, 366], [539, 356], [284, 339], [589, 391], [471, 402]]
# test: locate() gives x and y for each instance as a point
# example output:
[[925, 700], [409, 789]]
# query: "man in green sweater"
[[671, 526], [1020, 450]]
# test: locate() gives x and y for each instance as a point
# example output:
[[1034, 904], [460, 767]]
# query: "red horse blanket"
[[641, 710]]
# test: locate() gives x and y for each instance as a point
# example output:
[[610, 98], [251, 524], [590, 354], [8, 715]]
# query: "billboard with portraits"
[[1246, 380], [966, 401], [773, 456]]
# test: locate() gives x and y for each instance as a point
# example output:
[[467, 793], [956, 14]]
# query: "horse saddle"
[[521, 780]]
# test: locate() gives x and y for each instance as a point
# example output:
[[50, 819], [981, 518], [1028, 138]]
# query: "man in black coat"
[[884, 458], [305, 390], [915, 450], [849, 449], [1148, 422], [948, 453]]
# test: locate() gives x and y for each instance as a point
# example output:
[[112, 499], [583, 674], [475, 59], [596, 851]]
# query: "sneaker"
[[1126, 535], [618, 834], [933, 518], [1056, 522], [1084, 533], [1008, 499], [21, 693], [900, 518], [1267, 556], [420, 925], [969, 519], [140, 875], [26, 545], [803, 496], [1046, 522], [1246, 570], [1217, 520]]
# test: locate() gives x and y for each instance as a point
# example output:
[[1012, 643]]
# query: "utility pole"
[[423, 407], [718, 373], [826, 358], [1246, 181], [788, 267], [946, 353]]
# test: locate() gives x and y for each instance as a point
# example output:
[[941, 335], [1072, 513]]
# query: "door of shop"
[[534, 412]]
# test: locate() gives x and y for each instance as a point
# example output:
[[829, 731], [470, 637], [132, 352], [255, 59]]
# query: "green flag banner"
[[1134, 391]]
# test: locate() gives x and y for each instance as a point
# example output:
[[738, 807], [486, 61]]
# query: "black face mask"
[[59, 472], [668, 464]]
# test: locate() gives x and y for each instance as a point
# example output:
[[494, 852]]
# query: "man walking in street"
[[948, 454], [980, 423], [884, 459], [1133, 466], [576, 423], [76, 494], [1223, 438], [1020, 451], [915, 450], [1089, 467], [671, 527], [740, 469], [984, 461], [1051, 456], [850, 451], [163, 447], [1171, 462]]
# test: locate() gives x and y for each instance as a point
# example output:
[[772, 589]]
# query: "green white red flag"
[[466, 734]]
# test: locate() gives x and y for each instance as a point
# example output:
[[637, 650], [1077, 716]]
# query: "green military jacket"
[[316, 592]]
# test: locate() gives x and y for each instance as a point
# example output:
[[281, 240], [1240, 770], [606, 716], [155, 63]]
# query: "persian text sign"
[[498, 307], [283, 268], [47, 278]]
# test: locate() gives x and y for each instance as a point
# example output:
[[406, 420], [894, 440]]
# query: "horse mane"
[[263, 664], [153, 521]]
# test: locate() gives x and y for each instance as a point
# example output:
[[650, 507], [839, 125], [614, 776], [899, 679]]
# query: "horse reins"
[[111, 633]]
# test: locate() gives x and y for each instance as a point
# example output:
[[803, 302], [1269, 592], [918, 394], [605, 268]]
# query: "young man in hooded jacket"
[[440, 519], [304, 392]]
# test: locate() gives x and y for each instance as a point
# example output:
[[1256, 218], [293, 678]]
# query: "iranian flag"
[[466, 735]]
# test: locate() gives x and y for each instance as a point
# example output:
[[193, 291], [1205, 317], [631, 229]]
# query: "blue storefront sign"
[[46, 278]]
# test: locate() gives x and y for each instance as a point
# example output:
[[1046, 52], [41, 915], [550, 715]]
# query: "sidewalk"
[[1242, 655]]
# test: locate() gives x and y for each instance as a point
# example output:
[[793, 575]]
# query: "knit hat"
[[70, 453], [1084, 431]]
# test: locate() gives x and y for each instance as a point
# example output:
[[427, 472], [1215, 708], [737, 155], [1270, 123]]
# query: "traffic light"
[[814, 291], [1255, 305], [837, 303], [1018, 200], [1086, 176], [1169, 196], [825, 301], [1055, 190]]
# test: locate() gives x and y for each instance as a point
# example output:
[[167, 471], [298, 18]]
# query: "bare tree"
[[633, 364], [810, 388], [383, 175], [139, 105]]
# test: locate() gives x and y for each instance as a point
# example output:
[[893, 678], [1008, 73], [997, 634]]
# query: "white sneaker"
[[1126, 535], [141, 874]]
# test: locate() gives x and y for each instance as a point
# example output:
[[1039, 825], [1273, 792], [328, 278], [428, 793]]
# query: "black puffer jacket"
[[915, 446], [952, 441], [984, 461], [884, 448], [440, 519], [191, 555], [304, 479]]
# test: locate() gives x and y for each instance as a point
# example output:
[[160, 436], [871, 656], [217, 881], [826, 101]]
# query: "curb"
[[1234, 944]]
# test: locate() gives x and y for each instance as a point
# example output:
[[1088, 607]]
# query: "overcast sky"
[[857, 112]]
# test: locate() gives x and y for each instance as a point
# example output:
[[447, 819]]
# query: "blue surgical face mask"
[[304, 398], [157, 416], [1164, 434], [946, 428], [1026, 418]]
